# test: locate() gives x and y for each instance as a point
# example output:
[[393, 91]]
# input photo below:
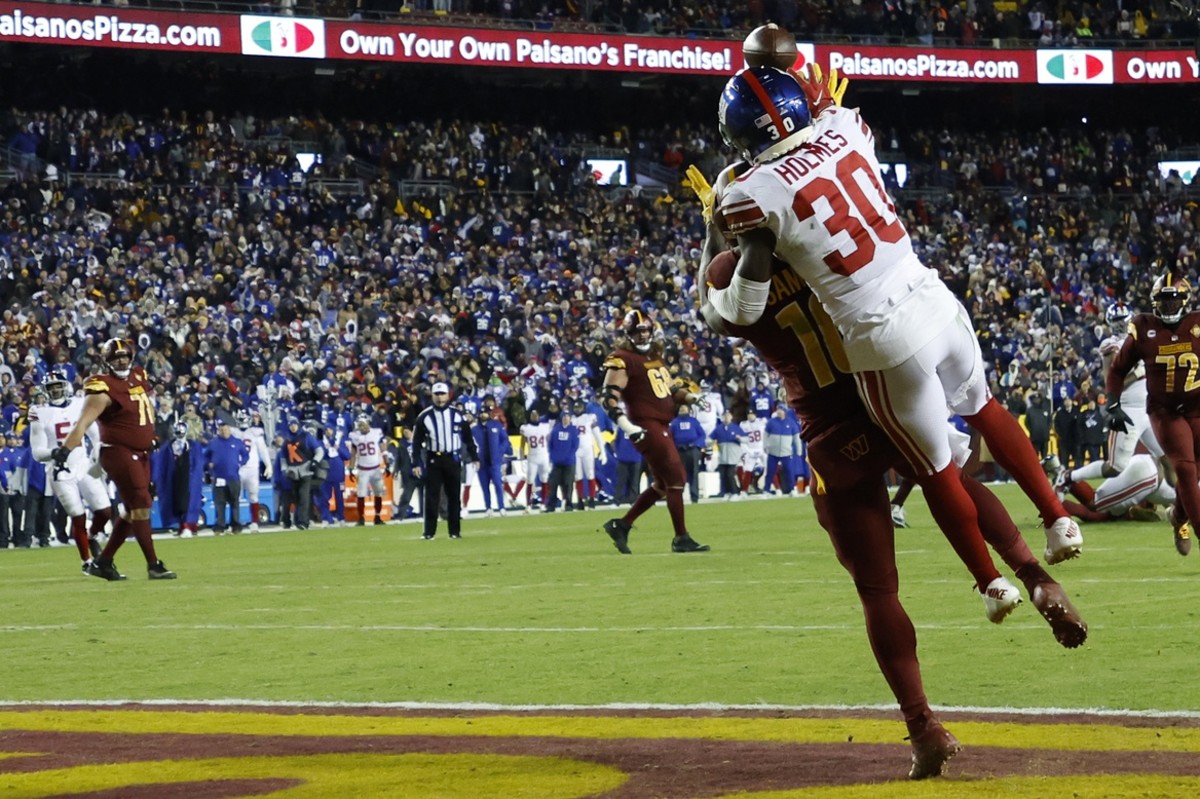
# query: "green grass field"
[[541, 610]]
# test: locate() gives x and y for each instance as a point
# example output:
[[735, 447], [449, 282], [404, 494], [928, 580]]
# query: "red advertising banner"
[[347, 40], [550, 50], [108, 26]]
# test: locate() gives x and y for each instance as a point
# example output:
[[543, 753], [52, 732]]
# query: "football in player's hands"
[[720, 269], [770, 46]]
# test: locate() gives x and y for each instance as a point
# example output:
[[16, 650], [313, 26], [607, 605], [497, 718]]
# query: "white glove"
[[634, 432], [698, 401]]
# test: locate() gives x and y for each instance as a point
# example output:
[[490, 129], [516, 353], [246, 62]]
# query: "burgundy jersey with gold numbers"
[[819, 385], [129, 420], [648, 395], [1172, 358]]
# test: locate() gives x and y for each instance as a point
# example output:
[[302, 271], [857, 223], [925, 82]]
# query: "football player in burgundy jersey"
[[849, 455], [121, 405], [1168, 343], [641, 396]]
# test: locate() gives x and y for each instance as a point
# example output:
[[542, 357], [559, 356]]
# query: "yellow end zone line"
[[1008, 735]]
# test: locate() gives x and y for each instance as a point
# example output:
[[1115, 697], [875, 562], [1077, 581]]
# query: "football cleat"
[[931, 750], [1000, 598], [1064, 540], [158, 571], [106, 570], [685, 543], [618, 531], [1183, 533], [1051, 601], [898, 518]]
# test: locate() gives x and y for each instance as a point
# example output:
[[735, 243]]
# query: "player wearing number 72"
[[121, 405], [813, 195]]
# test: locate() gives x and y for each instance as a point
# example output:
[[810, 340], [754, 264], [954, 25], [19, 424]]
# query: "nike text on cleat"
[[1000, 598], [1064, 540]]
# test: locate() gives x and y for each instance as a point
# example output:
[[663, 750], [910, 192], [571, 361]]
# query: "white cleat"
[[186, 534], [1000, 598], [1064, 540], [253, 528], [503, 512], [898, 518]]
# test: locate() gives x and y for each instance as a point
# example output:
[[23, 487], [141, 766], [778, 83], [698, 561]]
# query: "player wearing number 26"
[[121, 405], [814, 195]]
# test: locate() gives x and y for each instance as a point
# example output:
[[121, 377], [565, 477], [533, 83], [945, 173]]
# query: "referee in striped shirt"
[[438, 438]]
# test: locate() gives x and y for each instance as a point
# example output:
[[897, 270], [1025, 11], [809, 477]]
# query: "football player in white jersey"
[[534, 434], [367, 448], [590, 441], [78, 486], [259, 454], [814, 196], [713, 410], [1121, 445], [1122, 496], [754, 451]]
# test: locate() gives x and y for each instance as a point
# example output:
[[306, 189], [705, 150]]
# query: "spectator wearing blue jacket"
[[39, 498], [782, 436], [630, 467], [690, 441], [224, 457], [563, 443], [728, 436], [337, 452], [12, 496], [491, 440]]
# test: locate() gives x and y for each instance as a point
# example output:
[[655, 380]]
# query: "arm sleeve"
[[39, 442]]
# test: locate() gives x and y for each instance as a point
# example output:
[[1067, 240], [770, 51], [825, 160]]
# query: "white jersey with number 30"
[[838, 229]]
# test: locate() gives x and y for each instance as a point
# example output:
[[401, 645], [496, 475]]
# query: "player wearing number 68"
[[813, 194]]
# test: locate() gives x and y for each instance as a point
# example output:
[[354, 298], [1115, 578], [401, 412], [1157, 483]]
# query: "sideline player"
[[590, 442], [534, 434], [259, 456], [366, 456], [121, 404], [814, 195], [76, 487], [641, 397]]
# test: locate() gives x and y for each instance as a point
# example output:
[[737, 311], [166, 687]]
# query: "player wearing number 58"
[[122, 406], [814, 195]]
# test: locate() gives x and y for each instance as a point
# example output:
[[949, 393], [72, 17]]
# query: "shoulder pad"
[[614, 361], [1132, 329], [95, 385]]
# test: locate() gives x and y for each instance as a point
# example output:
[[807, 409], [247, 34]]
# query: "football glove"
[[698, 401], [1118, 420], [699, 184], [59, 457], [820, 90]]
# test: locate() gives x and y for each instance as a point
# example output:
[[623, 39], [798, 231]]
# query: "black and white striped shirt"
[[441, 431]]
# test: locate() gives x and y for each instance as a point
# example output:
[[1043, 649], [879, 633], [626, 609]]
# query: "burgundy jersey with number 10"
[[818, 385]]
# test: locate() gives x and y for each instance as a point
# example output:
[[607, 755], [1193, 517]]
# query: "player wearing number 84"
[[813, 194]]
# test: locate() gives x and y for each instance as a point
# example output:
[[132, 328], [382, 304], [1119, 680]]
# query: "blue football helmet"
[[763, 114], [1117, 316], [57, 387]]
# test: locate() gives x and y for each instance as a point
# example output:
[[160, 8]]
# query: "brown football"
[[720, 269], [770, 46]]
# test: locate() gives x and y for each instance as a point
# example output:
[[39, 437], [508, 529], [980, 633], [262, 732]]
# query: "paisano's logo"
[[1075, 66], [283, 37]]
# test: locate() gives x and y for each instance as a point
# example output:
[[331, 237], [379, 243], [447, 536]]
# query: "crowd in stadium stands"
[[203, 240]]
